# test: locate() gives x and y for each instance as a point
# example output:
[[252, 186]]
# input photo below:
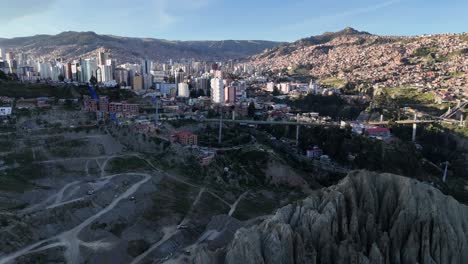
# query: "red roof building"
[[185, 138], [382, 132]]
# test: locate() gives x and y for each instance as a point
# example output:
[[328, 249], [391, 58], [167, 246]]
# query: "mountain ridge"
[[73, 44]]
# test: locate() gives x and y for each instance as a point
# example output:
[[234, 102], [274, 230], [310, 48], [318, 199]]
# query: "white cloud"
[[169, 12], [362, 10], [18, 9], [344, 14]]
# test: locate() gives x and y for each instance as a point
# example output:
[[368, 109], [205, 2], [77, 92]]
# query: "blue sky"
[[283, 20]]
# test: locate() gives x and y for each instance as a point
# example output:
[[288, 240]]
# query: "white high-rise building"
[[106, 73], [88, 69], [217, 90], [2, 53], [45, 70], [56, 71], [102, 57], [183, 90]]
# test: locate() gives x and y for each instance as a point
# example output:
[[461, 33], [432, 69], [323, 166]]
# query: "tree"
[[171, 79], [251, 109], [2, 75], [193, 93], [93, 80], [276, 91], [201, 92]]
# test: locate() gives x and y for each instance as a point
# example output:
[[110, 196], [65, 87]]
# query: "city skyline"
[[222, 20]]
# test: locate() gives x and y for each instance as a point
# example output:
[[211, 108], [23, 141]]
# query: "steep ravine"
[[366, 218]]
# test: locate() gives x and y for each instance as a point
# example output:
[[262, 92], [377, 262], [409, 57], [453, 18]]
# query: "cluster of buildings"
[[106, 109], [385, 62], [371, 131], [295, 89]]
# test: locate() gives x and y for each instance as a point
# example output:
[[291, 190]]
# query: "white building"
[[102, 57], [285, 88], [45, 70], [270, 87], [183, 90], [106, 73], [88, 69], [314, 87], [217, 90], [56, 71]]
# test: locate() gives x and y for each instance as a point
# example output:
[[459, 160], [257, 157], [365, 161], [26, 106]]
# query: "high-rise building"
[[68, 72], [147, 81], [230, 95], [146, 66], [179, 76], [137, 82], [76, 74], [22, 59], [99, 74], [88, 69], [106, 73], [102, 57], [57, 70], [217, 90], [10, 61], [121, 76], [202, 83], [9, 56], [2, 53], [111, 62], [45, 70], [183, 90]]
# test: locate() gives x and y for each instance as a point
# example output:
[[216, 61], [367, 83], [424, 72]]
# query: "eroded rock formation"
[[366, 218]]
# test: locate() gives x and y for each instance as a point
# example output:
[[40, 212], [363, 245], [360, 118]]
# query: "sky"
[[279, 20]]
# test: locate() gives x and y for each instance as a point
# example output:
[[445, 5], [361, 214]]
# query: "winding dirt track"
[[69, 239]]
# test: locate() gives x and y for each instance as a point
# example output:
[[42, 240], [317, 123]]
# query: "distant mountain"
[[328, 36], [72, 45]]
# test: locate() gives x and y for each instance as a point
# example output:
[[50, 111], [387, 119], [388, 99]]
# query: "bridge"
[[413, 122], [451, 112], [325, 124]]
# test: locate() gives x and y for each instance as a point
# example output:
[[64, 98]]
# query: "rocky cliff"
[[366, 218]]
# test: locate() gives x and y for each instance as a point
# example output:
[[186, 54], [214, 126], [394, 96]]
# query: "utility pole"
[[220, 129], [297, 135], [156, 116], [444, 177]]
